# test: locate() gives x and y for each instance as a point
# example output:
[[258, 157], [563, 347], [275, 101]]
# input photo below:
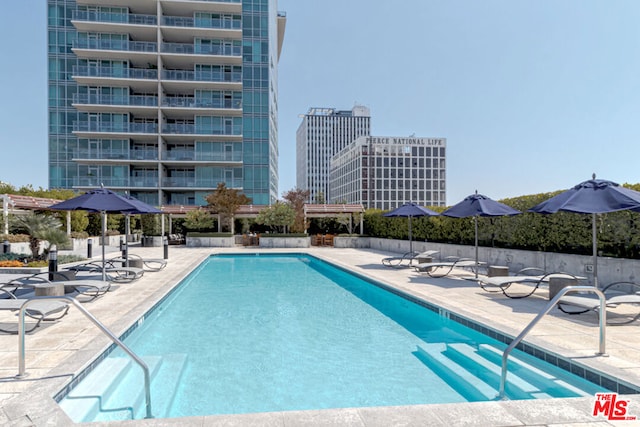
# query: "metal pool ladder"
[[602, 313], [107, 332]]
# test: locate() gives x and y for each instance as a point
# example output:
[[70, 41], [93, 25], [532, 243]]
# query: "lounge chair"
[[444, 268], [533, 276], [617, 294], [406, 259], [39, 310], [147, 264], [90, 289], [113, 273]]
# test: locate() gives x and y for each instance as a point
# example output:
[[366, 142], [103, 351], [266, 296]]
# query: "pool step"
[[115, 389], [470, 387], [551, 376], [516, 387], [477, 370]]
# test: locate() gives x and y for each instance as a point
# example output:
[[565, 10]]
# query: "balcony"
[[87, 154], [115, 73], [177, 154], [189, 22], [186, 48], [120, 18], [139, 27], [116, 128], [143, 182], [125, 45], [192, 129], [191, 182], [101, 99], [192, 102], [201, 76], [94, 181]]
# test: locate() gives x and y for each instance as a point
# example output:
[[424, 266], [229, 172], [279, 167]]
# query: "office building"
[[386, 172], [164, 98], [322, 133]]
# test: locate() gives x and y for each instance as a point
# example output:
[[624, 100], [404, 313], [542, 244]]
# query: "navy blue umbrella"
[[104, 201], [410, 210], [595, 196], [477, 205]]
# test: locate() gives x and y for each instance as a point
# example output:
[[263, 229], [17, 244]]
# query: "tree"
[[278, 216], [198, 219], [225, 201], [297, 198], [39, 228]]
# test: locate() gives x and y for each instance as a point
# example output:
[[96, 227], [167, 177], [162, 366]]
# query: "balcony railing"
[[130, 100], [110, 17], [101, 154], [201, 76], [137, 182], [189, 129], [85, 126], [94, 181], [192, 102], [188, 22], [178, 155], [125, 45], [201, 49], [144, 154], [134, 154], [198, 182], [192, 155], [116, 73], [219, 157]]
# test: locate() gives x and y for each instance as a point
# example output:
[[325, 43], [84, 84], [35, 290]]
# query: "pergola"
[[17, 204], [21, 205], [333, 211]]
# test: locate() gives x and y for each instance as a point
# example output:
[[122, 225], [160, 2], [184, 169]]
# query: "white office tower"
[[322, 133]]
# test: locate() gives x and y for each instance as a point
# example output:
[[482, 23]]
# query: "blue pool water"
[[290, 332]]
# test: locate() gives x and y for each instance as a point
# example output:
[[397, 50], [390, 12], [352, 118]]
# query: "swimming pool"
[[290, 332]]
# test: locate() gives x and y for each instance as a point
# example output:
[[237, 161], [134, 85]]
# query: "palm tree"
[[39, 228]]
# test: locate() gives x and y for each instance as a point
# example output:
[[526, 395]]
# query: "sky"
[[532, 96]]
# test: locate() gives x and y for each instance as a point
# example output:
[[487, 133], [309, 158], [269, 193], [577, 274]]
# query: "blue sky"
[[532, 96]]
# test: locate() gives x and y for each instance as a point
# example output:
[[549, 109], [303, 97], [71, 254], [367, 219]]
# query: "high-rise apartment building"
[[164, 98], [386, 172], [322, 133]]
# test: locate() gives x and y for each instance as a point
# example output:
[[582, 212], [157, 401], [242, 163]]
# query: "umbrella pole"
[[103, 214], [595, 250], [410, 242], [475, 226]]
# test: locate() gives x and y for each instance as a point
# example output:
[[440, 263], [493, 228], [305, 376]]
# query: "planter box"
[[211, 242], [151, 241], [351, 242], [284, 242]]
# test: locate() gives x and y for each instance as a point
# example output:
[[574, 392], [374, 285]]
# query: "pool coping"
[[31, 402]]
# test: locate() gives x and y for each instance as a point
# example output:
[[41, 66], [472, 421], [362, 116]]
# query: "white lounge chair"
[[407, 259], [148, 264], [39, 310], [532, 276], [91, 289], [617, 294], [444, 268], [113, 273]]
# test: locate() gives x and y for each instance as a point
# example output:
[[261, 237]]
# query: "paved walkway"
[[57, 351]]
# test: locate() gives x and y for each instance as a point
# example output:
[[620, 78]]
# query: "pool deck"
[[57, 351]]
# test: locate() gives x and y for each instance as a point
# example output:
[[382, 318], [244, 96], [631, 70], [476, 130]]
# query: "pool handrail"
[[602, 313], [103, 328]]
